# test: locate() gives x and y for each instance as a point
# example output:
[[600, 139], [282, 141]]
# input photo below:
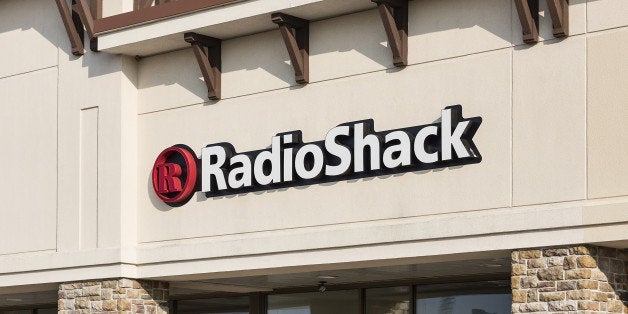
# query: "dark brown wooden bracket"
[[296, 35], [394, 14], [73, 26], [208, 55], [528, 11], [559, 11], [81, 16], [96, 10], [85, 14]]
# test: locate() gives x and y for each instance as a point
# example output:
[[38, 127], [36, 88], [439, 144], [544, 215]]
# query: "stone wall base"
[[581, 278], [114, 296]]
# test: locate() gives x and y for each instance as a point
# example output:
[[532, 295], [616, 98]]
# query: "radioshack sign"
[[351, 150]]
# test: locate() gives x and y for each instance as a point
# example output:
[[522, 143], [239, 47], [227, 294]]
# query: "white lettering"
[[403, 148], [213, 169], [340, 151]]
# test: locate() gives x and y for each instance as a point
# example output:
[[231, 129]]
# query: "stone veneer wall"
[[114, 296], [576, 278]]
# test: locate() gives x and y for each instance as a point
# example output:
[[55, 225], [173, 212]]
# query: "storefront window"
[[388, 300], [468, 298], [239, 305], [330, 302]]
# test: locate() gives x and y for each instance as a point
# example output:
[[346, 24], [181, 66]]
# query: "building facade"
[[314, 156]]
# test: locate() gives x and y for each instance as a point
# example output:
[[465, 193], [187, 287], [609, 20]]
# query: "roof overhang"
[[160, 28]]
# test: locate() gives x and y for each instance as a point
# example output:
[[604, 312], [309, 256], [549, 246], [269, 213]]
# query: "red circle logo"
[[175, 175]]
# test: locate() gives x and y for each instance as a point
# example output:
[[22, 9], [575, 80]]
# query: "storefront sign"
[[351, 150]]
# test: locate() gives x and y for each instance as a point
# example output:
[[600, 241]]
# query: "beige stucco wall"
[[552, 140], [68, 138], [533, 139]]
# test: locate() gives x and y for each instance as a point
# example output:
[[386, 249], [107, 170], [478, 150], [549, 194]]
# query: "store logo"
[[174, 175], [351, 150]]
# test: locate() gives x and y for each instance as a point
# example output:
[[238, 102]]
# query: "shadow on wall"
[[29, 35], [200, 197], [438, 29], [31, 32]]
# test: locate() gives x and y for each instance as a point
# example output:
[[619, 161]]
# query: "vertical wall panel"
[[607, 112], [28, 180], [549, 106], [89, 179]]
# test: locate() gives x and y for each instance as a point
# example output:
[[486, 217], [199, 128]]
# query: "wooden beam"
[[296, 36], [394, 15], [559, 11], [72, 27], [96, 7], [207, 51], [85, 14], [528, 11]]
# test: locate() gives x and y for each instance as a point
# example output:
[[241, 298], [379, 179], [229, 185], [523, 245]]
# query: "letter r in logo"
[[174, 175], [168, 178]]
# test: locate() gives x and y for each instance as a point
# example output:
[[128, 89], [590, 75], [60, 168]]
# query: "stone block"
[[519, 296], [529, 282], [124, 305], [599, 296], [533, 295], [530, 254], [66, 304], [562, 306], [93, 290], [578, 274], [555, 261], [570, 262], [518, 269], [589, 305], [597, 274], [66, 286], [96, 306], [587, 262], [110, 305], [551, 274], [132, 294], [579, 295], [515, 282], [552, 296], [555, 252], [106, 294], [537, 263], [605, 287], [529, 307], [567, 285], [547, 286], [515, 256], [582, 250], [615, 306], [110, 284], [587, 284], [82, 303]]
